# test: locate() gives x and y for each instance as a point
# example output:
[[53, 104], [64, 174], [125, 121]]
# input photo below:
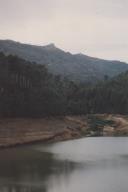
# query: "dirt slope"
[[22, 131]]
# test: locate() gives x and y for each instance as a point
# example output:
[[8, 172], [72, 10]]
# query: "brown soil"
[[22, 131]]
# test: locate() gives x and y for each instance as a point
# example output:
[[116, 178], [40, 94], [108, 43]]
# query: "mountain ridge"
[[78, 67]]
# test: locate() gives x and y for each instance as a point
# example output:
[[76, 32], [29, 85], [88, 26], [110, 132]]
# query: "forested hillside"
[[77, 67], [29, 90]]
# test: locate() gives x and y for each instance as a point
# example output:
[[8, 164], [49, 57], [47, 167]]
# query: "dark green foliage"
[[29, 90], [98, 122]]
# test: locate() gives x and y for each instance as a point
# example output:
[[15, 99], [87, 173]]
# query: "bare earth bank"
[[19, 131]]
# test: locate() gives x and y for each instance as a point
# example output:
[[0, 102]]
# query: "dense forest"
[[29, 90]]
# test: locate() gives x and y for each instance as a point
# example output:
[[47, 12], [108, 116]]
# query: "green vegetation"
[[29, 90], [97, 124]]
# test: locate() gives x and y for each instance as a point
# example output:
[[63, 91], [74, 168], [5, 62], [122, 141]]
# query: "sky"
[[98, 28]]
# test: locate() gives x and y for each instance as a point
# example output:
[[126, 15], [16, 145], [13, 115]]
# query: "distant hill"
[[74, 66]]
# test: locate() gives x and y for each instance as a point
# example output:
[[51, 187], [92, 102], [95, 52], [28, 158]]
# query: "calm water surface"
[[84, 165]]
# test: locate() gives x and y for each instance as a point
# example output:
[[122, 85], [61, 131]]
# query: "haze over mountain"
[[74, 66]]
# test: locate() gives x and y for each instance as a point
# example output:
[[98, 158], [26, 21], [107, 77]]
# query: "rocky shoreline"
[[14, 132]]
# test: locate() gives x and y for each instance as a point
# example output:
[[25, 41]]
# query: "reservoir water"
[[84, 165]]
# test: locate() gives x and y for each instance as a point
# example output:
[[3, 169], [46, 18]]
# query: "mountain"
[[73, 66]]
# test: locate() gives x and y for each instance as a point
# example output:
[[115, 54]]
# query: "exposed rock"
[[108, 131]]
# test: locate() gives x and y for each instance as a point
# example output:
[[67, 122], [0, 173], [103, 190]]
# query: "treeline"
[[29, 90]]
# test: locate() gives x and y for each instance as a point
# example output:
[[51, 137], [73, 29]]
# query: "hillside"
[[110, 96], [29, 90], [74, 66]]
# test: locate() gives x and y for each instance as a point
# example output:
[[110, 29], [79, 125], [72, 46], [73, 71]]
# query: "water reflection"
[[92, 165], [28, 170]]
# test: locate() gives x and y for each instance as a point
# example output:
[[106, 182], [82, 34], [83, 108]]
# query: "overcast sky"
[[94, 27]]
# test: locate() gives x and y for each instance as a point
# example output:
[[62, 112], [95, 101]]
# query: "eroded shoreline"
[[20, 131]]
